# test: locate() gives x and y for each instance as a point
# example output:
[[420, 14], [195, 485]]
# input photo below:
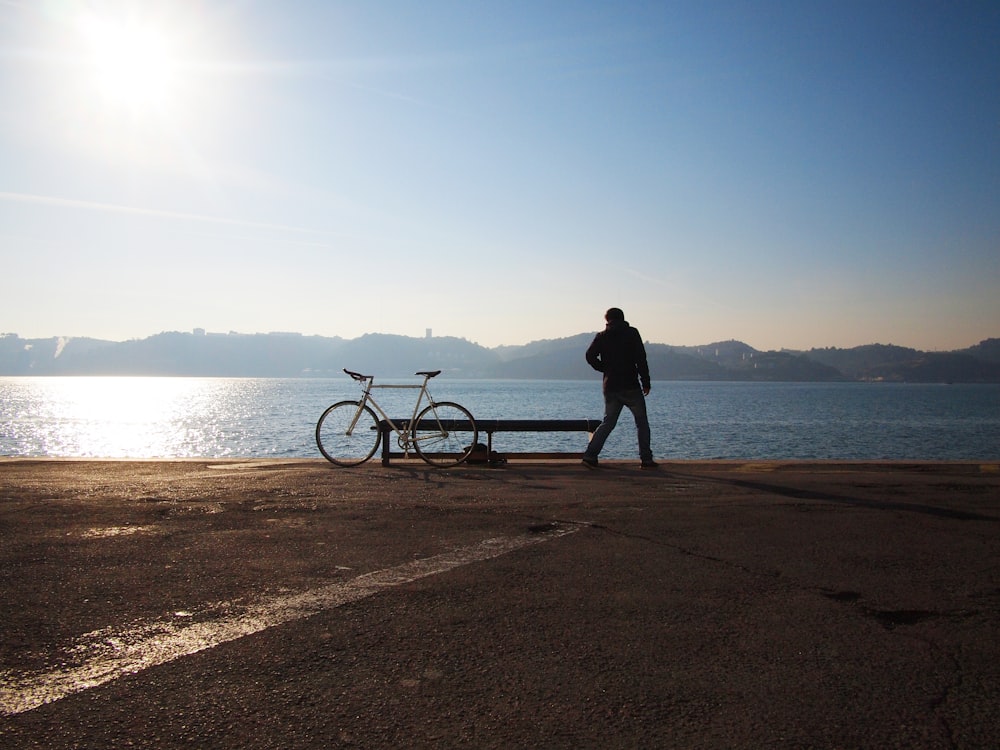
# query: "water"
[[240, 417]]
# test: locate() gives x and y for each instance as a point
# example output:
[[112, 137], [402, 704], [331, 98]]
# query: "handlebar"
[[361, 378]]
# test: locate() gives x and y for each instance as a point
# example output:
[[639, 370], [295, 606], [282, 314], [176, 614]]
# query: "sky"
[[791, 174]]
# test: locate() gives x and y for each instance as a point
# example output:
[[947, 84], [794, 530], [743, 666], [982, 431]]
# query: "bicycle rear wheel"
[[445, 434], [341, 444]]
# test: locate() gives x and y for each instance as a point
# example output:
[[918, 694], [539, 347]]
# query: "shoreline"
[[983, 465]]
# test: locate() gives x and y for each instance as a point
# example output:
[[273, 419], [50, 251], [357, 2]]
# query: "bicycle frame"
[[404, 434]]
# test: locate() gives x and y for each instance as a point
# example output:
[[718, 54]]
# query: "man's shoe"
[[649, 465], [590, 463]]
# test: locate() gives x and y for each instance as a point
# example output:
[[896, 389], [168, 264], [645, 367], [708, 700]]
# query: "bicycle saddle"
[[430, 374], [357, 375]]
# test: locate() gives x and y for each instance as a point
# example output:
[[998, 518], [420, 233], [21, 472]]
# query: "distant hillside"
[[242, 355], [395, 356], [727, 354], [558, 359], [384, 355], [45, 356], [740, 361], [861, 362], [578, 343], [259, 355], [673, 363], [879, 362], [988, 350]]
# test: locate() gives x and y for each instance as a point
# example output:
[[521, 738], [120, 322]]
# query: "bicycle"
[[442, 433]]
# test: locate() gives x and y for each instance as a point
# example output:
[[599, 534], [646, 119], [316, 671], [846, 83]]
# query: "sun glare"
[[121, 417], [131, 63]]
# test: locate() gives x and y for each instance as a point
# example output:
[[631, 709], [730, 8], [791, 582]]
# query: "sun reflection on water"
[[158, 417], [124, 417], [121, 417]]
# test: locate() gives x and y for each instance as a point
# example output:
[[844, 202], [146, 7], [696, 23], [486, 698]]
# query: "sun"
[[130, 64]]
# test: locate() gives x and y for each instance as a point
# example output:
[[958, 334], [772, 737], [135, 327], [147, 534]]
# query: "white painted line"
[[108, 531], [113, 652]]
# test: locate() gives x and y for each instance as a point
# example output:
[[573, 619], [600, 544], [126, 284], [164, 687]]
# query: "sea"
[[176, 417]]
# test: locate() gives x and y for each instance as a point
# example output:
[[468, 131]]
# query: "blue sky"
[[790, 174]]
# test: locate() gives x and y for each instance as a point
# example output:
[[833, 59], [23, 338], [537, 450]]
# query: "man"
[[618, 352]]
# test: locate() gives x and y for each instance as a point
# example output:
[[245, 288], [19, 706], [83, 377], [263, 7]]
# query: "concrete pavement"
[[290, 604]]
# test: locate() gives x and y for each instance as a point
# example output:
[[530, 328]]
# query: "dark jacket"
[[618, 352]]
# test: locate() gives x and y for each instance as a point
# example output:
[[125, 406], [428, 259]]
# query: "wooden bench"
[[490, 426]]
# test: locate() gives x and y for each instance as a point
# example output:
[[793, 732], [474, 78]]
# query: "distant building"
[[428, 333], [198, 331]]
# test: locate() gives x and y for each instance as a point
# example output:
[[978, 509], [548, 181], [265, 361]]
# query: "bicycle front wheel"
[[347, 433], [445, 434]]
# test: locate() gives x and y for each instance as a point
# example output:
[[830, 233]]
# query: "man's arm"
[[594, 354], [641, 364]]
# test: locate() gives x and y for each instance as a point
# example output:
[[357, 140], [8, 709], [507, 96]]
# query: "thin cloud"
[[679, 299], [151, 212]]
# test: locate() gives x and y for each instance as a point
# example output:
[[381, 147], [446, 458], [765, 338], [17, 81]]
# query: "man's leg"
[[636, 403], [612, 409]]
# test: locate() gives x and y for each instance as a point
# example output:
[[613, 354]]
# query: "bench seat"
[[491, 426]]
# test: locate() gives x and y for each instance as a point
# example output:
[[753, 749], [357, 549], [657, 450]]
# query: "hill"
[[879, 362], [988, 350], [294, 355]]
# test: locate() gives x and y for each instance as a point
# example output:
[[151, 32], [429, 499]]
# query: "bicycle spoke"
[[345, 436], [445, 434]]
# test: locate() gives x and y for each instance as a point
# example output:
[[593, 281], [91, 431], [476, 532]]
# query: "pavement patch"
[[117, 651]]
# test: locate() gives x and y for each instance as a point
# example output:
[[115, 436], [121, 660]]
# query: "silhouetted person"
[[618, 352]]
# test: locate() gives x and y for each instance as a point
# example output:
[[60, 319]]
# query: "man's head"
[[614, 315]]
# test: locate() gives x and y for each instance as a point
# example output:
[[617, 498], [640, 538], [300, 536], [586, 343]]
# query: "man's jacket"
[[618, 352]]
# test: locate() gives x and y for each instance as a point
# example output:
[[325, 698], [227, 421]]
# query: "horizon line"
[[203, 332]]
